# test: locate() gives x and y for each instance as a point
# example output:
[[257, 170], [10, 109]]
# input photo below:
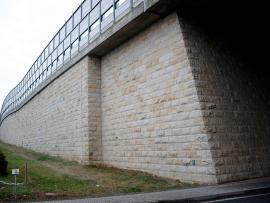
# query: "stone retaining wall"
[[171, 101]]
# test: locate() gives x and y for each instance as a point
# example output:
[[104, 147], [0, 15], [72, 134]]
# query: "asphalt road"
[[260, 198], [254, 190]]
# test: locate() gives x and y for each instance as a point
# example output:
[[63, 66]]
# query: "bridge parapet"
[[91, 19]]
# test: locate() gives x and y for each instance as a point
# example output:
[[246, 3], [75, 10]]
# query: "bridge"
[[159, 86]]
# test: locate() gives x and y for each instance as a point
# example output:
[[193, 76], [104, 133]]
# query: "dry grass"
[[66, 179]]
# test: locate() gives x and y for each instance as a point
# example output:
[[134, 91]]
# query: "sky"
[[26, 27]]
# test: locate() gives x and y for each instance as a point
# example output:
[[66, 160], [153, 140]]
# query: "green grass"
[[66, 179]]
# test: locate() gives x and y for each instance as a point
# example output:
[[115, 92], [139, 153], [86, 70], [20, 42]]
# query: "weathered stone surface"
[[61, 119], [234, 103], [151, 117], [169, 102]]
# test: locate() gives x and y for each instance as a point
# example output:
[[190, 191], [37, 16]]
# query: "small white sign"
[[15, 171]]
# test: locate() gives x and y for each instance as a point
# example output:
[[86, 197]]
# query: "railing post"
[[100, 17], [88, 27], [114, 7], [131, 4]]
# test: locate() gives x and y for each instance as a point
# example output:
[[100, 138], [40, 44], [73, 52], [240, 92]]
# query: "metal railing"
[[90, 19]]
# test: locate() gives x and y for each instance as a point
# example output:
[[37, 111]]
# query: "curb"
[[262, 190]]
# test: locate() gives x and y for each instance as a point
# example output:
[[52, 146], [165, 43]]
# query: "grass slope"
[[54, 178]]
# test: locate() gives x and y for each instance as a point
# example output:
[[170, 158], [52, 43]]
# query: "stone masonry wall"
[[171, 101], [151, 116], [134, 108], [235, 104], [56, 120]]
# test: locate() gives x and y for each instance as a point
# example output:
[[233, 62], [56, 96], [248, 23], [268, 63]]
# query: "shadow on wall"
[[226, 47]]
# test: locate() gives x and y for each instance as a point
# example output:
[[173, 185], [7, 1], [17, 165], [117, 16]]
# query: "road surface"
[[260, 198]]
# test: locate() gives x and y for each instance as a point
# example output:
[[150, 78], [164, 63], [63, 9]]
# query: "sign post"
[[26, 174], [15, 172]]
